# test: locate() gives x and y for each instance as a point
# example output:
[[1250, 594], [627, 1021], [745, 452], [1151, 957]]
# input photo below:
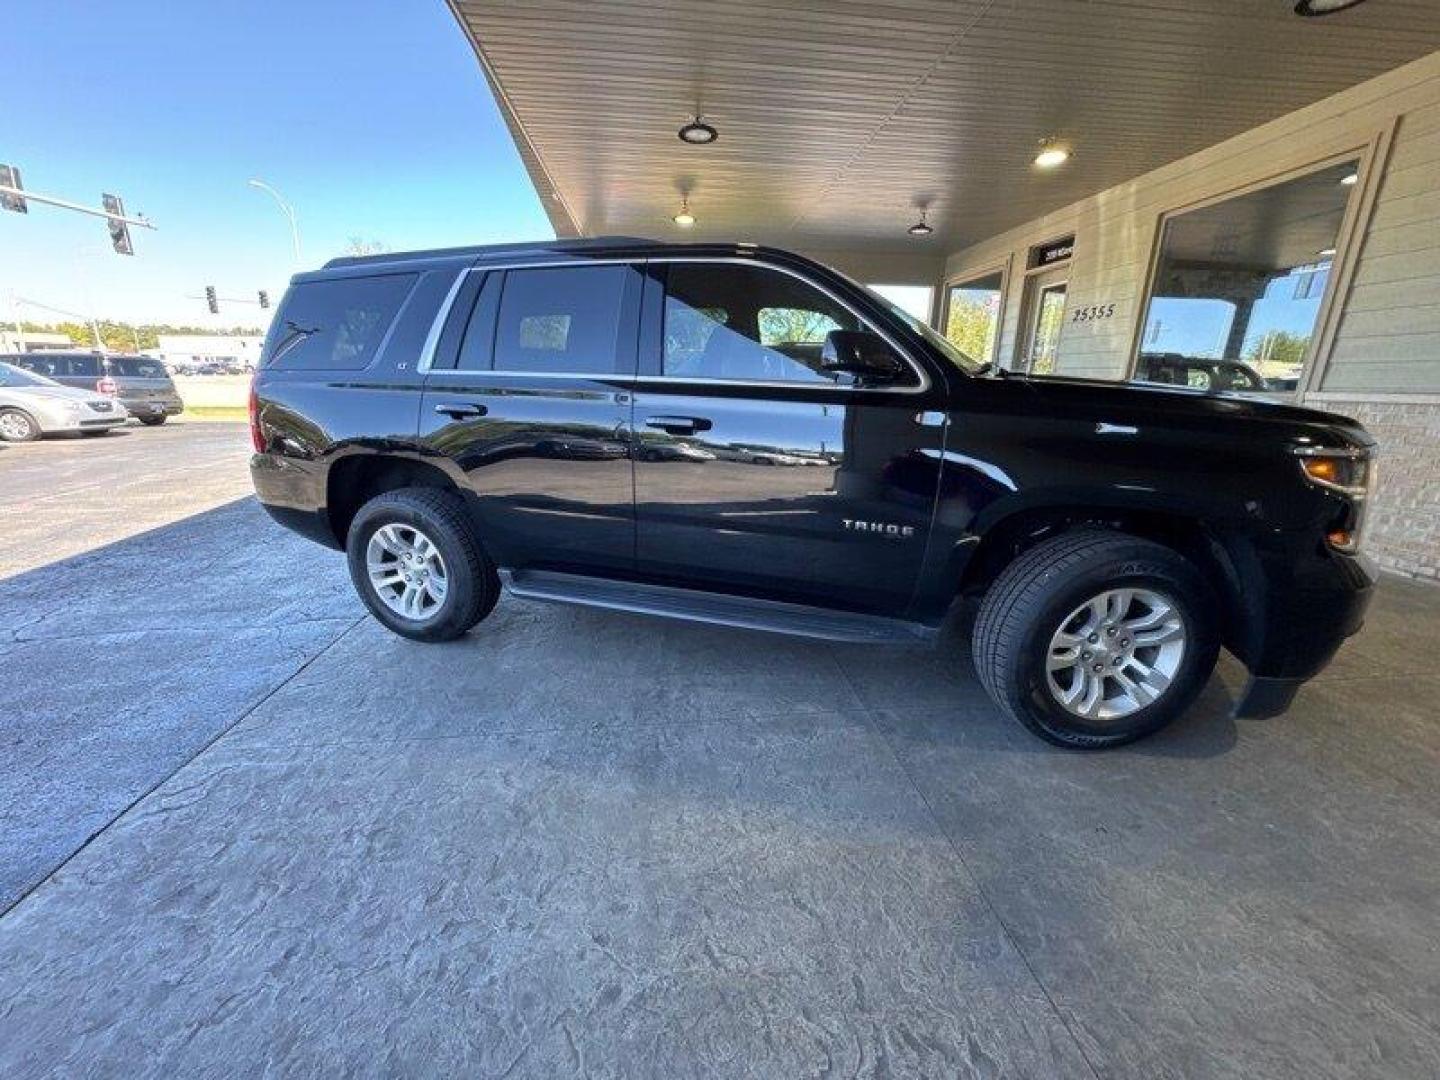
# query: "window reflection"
[[1239, 284]]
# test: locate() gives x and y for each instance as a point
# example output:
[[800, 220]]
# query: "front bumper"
[[1301, 615], [59, 423]]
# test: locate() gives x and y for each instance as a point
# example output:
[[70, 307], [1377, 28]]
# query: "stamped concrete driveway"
[[246, 831]]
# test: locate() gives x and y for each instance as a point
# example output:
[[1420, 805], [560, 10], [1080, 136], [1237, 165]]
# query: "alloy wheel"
[[406, 571], [1115, 654]]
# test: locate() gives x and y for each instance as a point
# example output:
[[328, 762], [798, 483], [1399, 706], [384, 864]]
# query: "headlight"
[[1349, 473]]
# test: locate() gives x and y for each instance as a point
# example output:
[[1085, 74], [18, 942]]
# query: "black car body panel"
[[888, 500]]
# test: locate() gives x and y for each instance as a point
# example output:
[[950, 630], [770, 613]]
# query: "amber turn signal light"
[[1324, 469]]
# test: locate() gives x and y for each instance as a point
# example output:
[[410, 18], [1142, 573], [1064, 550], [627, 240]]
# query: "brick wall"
[[1403, 531]]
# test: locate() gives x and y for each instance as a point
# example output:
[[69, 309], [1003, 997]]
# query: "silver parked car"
[[141, 383], [32, 405]]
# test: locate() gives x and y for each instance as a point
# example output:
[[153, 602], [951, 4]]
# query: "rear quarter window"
[[335, 325]]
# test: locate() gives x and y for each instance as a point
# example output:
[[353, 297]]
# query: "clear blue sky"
[[372, 117]]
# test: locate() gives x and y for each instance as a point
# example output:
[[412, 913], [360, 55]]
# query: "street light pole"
[[289, 213]]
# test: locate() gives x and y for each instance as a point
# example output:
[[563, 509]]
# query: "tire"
[[1034, 601], [471, 585], [152, 421], [16, 425]]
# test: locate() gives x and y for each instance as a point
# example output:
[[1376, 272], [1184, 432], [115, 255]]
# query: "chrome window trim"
[[432, 339]]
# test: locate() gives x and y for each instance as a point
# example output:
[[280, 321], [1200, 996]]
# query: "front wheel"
[[17, 426], [1094, 638], [415, 561]]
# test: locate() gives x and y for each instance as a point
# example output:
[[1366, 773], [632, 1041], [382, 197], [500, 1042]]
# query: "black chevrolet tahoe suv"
[[738, 435]]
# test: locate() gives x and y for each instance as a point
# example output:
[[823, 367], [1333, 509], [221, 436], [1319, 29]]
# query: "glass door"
[[1044, 319]]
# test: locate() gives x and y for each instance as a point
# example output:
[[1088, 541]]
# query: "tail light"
[[106, 386], [257, 437]]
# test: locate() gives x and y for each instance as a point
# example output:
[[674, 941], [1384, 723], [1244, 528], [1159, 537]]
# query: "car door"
[[757, 472], [529, 393]]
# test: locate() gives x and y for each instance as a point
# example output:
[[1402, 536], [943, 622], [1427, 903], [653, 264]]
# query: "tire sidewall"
[[461, 585], [1174, 578]]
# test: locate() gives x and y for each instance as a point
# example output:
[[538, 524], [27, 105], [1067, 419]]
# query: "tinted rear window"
[[560, 320], [337, 324], [62, 365], [136, 367]]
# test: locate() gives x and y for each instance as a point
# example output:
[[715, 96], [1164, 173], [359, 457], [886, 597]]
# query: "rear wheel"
[[18, 426], [415, 561], [153, 421], [1094, 638]]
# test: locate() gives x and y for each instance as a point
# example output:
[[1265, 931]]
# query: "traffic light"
[[210, 301], [10, 178], [119, 231], [264, 299]]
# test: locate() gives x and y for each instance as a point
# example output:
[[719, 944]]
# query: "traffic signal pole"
[[65, 204], [14, 197]]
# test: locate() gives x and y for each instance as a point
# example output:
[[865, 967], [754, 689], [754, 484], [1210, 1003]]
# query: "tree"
[[127, 337], [971, 325], [358, 245], [1277, 350]]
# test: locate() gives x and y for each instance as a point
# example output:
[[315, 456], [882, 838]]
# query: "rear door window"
[[561, 320], [336, 325]]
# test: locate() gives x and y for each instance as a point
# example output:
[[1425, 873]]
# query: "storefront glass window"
[[1238, 288], [972, 315]]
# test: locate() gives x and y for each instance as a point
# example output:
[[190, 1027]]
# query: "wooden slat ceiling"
[[838, 119]]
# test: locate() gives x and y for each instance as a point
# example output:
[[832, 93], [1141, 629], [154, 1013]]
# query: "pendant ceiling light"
[[1051, 154], [698, 133], [1312, 8], [684, 218], [921, 227]]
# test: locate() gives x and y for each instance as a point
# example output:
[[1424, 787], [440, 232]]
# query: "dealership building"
[[1230, 196]]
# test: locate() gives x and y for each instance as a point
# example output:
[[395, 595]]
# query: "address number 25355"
[[1093, 312]]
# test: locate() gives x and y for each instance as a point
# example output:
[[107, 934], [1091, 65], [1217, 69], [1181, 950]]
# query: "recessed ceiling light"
[[684, 218], [698, 133], [1325, 253], [921, 227], [1350, 179], [1051, 154], [1312, 8]]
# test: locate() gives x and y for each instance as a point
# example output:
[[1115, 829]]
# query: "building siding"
[[1382, 363]]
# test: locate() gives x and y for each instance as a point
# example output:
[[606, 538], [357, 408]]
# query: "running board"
[[715, 608]]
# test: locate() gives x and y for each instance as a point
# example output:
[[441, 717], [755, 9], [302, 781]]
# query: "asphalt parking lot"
[[243, 830]]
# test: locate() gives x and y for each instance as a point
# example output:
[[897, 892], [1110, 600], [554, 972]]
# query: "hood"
[[1181, 406]]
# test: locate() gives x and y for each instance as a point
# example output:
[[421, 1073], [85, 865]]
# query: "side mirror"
[[862, 354]]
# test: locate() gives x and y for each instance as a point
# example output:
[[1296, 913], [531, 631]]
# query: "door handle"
[[679, 425], [460, 410]]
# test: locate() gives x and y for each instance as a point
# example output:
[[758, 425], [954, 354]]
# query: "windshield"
[[10, 375], [943, 345]]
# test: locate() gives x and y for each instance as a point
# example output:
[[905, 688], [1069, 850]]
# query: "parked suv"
[[141, 383], [465, 420]]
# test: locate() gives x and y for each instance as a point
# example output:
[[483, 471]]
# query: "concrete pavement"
[[256, 833]]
